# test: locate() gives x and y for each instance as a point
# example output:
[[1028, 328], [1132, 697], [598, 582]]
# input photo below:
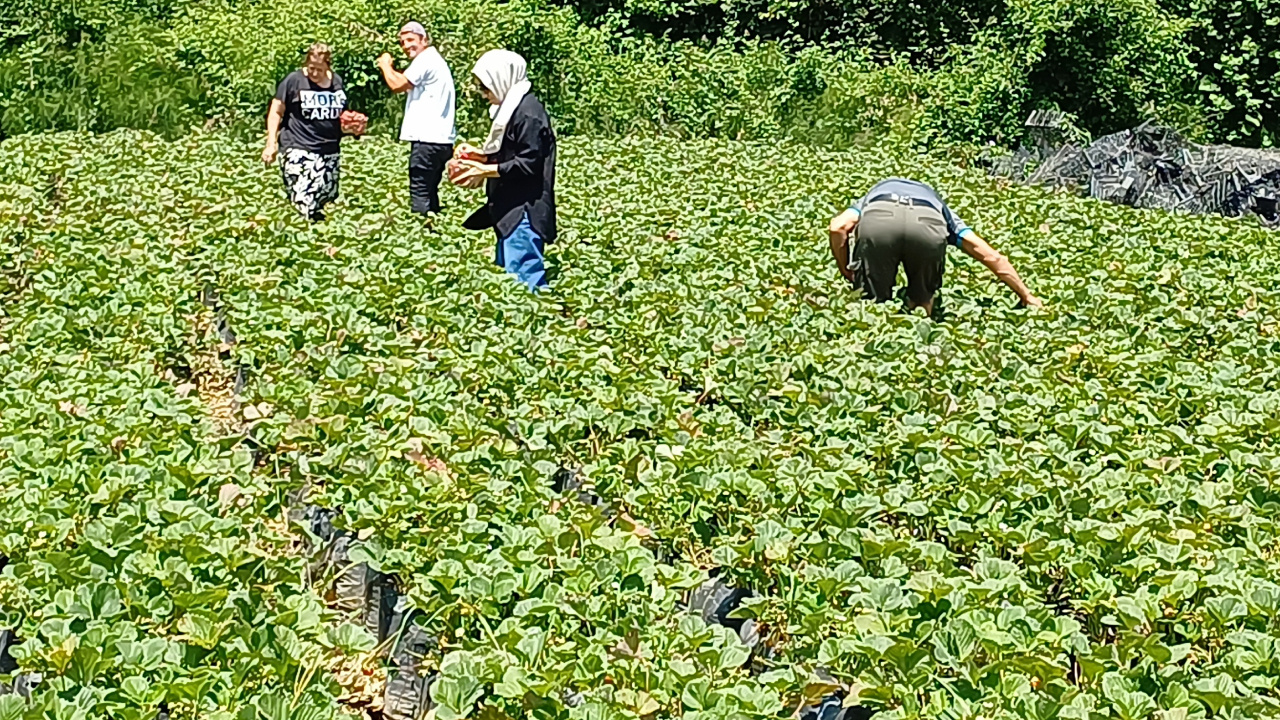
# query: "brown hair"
[[319, 51]]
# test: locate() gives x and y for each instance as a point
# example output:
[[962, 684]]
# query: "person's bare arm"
[[275, 114], [978, 249], [394, 78], [839, 229]]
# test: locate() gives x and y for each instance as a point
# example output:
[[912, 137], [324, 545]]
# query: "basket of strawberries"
[[462, 156], [352, 122]]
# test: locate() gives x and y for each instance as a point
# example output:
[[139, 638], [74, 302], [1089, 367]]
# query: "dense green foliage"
[[222, 59], [830, 72], [1204, 65], [1009, 514], [1236, 50]]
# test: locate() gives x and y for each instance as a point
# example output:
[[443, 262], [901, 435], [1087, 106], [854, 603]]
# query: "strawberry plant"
[[1006, 514]]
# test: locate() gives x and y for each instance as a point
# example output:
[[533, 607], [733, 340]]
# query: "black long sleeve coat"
[[526, 175]]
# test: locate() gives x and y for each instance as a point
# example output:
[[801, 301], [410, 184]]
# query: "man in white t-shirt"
[[428, 113]]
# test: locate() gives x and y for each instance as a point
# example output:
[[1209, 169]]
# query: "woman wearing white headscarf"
[[518, 160]]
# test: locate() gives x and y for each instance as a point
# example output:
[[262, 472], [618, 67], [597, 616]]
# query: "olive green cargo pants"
[[890, 234]]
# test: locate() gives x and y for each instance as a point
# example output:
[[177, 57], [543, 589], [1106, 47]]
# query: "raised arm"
[[394, 78], [978, 249], [839, 229], [275, 113]]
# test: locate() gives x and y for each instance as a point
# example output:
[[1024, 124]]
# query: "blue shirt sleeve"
[[856, 205], [957, 229]]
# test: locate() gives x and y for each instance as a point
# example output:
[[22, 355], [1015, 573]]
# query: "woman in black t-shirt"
[[305, 113]]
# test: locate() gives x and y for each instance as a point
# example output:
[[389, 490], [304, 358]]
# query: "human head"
[[485, 92], [414, 39], [496, 72], [319, 58]]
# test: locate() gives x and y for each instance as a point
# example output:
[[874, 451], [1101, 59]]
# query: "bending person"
[[905, 222], [518, 161], [306, 113]]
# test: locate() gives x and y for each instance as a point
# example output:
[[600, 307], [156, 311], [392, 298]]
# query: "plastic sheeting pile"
[[1150, 167]]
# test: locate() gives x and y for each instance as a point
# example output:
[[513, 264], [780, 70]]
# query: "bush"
[[1111, 65], [98, 85], [591, 84], [989, 63], [836, 74], [885, 27], [69, 23], [1236, 52], [243, 50]]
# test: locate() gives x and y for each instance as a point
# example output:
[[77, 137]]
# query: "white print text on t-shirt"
[[322, 104]]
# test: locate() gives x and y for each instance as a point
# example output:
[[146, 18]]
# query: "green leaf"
[[351, 639], [512, 684], [458, 688], [12, 707], [697, 695]]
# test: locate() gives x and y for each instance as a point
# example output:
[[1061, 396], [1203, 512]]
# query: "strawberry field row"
[[1008, 514]]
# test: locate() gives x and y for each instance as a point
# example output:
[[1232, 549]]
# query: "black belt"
[[898, 199]]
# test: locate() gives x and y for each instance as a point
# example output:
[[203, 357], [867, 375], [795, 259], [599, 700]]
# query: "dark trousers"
[[426, 165], [891, 234]]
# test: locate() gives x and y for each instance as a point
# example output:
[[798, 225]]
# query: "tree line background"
[[838, 72]]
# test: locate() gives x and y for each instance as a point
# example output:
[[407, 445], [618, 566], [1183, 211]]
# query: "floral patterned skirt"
[[310, 179]]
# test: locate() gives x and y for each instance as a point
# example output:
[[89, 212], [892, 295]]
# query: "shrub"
[[98, 85], [1236, 52], [1110, 64], [739, 69]]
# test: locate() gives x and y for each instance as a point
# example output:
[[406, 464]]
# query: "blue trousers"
[[520, 254]]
